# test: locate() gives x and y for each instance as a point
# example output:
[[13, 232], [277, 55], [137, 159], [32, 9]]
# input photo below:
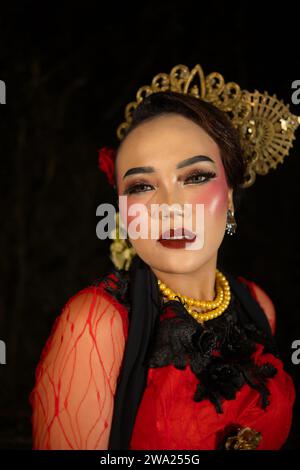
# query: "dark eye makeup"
[[194, 177]]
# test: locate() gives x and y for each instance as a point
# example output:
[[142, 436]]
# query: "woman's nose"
[[168, 194], [169, 204]]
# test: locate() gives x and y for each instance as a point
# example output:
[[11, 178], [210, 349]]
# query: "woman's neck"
[[199, 284]]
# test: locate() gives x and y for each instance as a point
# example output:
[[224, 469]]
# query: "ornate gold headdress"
[[265, 124]]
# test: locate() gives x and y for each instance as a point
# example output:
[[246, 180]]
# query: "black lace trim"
[[219, 352], [117, 288]]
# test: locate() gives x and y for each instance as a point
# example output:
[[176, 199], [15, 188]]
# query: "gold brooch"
[[246, 439]]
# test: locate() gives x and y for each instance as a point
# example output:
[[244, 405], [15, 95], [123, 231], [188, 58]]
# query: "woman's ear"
[[230, 199]]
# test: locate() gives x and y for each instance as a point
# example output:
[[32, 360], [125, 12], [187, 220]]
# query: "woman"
[[176, 352]]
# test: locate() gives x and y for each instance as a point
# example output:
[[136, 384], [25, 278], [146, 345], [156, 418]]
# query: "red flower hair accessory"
[[106, 163]]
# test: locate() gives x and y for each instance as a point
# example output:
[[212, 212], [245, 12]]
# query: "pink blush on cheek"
[[214, 196]]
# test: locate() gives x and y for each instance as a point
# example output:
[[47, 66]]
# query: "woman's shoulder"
[[91, 313], [113, 288], [103, 299], [264, 300]]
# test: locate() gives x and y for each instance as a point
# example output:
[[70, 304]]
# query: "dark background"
[[70, 71]]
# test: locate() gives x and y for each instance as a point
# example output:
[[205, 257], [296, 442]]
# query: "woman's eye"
[[137, 188], [200, 176], [196, 177]]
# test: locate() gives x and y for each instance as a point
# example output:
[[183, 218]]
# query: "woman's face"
[[157, 153]]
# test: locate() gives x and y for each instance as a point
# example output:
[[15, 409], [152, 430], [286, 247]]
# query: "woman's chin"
[[177, 263], [168, 259]]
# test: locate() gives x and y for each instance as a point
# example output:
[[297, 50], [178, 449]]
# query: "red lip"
[[175, 243], [190, 237]]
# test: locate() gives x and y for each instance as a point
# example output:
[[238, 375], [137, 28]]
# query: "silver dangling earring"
[[231, 223]]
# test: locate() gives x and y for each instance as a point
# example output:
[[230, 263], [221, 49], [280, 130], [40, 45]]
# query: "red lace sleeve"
[[73, 397], [264, 300]]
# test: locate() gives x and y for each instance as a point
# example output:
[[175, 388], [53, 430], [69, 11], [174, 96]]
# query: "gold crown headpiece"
[[265, 124]]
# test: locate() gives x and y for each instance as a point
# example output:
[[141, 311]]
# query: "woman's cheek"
[[214, 196], [137, 217], [125, 209]]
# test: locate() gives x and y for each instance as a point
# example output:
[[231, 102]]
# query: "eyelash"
[[133, 189]]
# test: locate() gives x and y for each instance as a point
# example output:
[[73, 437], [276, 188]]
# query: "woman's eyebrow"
[[182, 164], [139, 169], [197, 158]]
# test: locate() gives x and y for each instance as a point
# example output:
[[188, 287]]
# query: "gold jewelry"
[[231, 222], [210, 308], [121, 250], [245, 439], [266, 126]]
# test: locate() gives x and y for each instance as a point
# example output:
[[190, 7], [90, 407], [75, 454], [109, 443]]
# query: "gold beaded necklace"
[[209, 308]]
